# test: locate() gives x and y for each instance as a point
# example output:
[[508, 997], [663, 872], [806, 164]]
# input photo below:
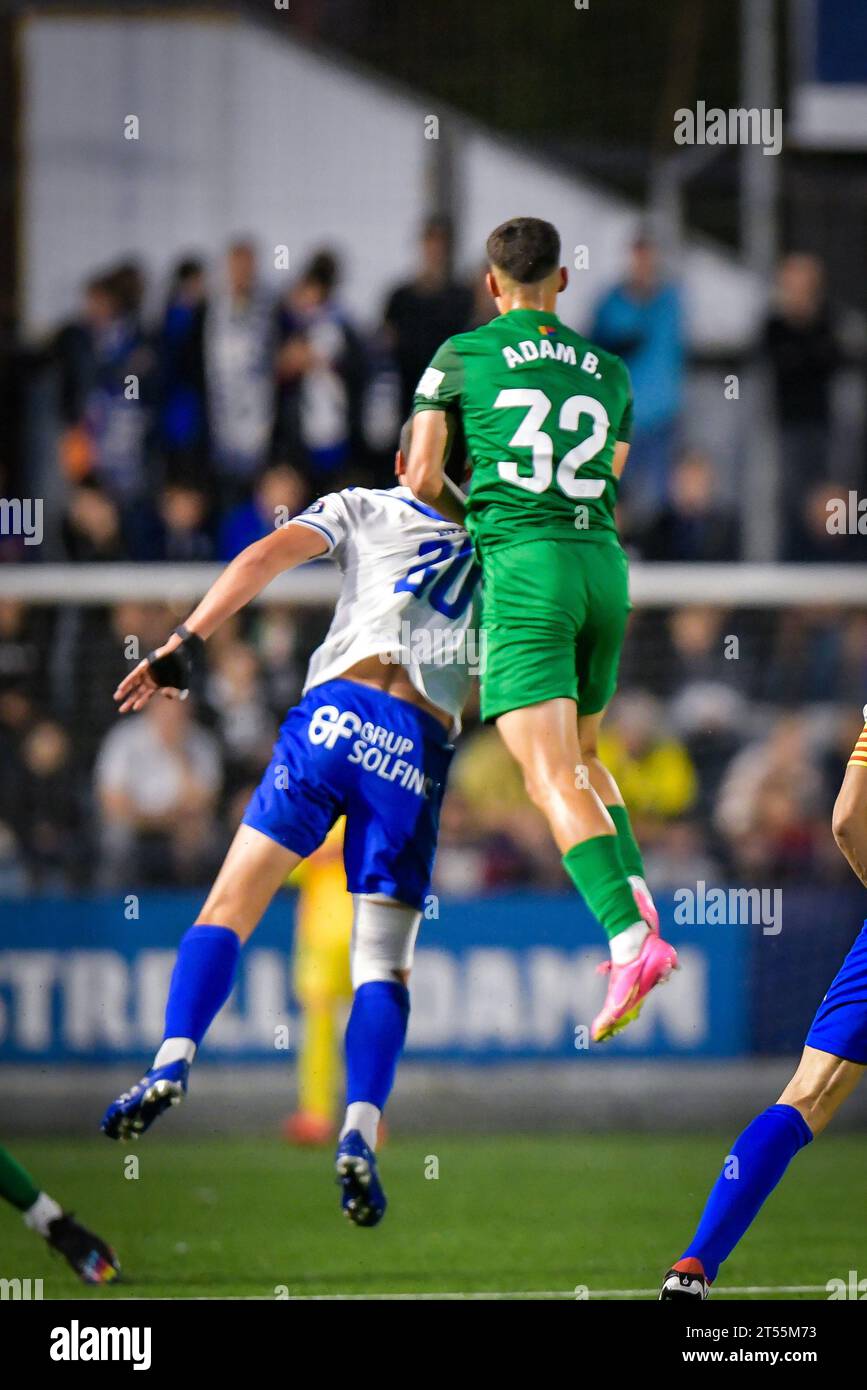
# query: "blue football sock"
[[201, 981], [763, 1153], [374, 1040]]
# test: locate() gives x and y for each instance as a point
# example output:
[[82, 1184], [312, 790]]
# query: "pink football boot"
[[644, 902], [630, 984]]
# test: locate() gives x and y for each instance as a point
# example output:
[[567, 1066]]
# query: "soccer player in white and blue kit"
[[832, 1064], [371, 739]]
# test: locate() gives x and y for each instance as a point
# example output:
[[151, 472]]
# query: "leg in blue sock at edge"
[[757, 1162]]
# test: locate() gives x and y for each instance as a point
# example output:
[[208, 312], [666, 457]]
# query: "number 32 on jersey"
[[530, 435]]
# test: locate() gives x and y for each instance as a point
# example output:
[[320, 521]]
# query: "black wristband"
[[190, 639], [175, 668]]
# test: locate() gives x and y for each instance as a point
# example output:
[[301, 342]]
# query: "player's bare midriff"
[[394, 680]]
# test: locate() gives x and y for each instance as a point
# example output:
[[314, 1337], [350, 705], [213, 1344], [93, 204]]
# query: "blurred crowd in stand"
[[177, 432], [728, 738], [184, 436]]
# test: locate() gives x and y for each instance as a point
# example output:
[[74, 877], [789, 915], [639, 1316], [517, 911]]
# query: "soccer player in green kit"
[[93, 1261], [547, 417]]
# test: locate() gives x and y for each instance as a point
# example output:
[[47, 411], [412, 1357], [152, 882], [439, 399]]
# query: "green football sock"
[[16, 1185], [629, 851], [596, 868]]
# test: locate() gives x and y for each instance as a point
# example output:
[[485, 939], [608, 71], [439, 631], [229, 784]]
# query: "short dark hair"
[[323, 269], [525, 248]]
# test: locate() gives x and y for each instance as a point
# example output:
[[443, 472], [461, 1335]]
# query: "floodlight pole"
[[759, 192], [759, 172]]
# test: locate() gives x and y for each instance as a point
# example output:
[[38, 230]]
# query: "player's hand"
[[155, 673]]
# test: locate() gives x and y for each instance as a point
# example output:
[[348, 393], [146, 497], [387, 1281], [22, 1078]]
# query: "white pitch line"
[[495, 1296], [552, 1293]]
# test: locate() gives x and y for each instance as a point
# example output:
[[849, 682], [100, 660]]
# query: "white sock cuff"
[[40, 1216], [625, 945], [363, 1116], [174, 1050]]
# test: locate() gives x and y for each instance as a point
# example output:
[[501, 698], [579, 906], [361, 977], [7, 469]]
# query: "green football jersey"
[[541, 410]]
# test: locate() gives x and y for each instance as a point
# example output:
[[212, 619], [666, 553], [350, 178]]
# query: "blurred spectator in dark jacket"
[[50, 816], [422, 313], [800, 344], [320, 370], [74, 356], [23, 646], [91, 528], [239, 334], [695, 524], [703, 650], [800, 339], [25, 637], [107, 380], [819, 530], [183, 409], [801, 659], [130, 286], [641, 319], [235, 692], [174, 527], [285, 639], [280, 493]]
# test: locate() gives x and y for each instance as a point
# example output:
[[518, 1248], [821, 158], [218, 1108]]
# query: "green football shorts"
[[554, 617]]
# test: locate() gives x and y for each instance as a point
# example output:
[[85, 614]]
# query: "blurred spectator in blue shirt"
[[641, 319], [279, 494], [107, 378]]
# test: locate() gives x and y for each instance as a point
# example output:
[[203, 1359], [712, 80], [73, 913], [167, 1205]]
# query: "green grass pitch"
[[507, 1215]]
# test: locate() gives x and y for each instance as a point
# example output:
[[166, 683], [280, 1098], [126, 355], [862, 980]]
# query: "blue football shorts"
[[840, 1025], [381, 762]]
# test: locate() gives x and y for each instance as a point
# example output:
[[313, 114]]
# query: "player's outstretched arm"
[[849, 821], [247, 575], [426, 468]]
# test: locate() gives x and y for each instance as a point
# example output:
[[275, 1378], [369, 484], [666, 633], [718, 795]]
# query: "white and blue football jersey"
[[410, 592]]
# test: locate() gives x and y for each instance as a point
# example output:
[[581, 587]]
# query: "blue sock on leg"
[[375, 1036], [201, 982], [763, 1152]]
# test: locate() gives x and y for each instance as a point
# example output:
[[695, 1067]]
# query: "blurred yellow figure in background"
[[323, 926]]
